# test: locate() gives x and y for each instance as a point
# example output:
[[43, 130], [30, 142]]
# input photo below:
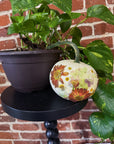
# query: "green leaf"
[[67, 22], [18, 5], [102, 12], [76, 35], [100, 56], [28, 27], [104, 98], [102, 125], [64, 5], [75, 15], [14, 28], [17, 19]]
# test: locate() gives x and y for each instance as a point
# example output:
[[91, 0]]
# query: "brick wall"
[[74, 129]]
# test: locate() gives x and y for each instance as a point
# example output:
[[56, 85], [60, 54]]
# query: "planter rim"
[[34, 52]]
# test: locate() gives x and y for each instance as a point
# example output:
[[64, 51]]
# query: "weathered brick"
[[90, 105], [70, 135], [80, 125], [33, 135], [85, 141], [85, 114], [103, 28], [89, 134], [5, 5], [7, 119], [110, 1], [3, 32], [26, 142], [90, 3], [64, 126], [107, 40], [4, 127], [4, 20], [86, 30], [77, 4], [2, 79], [5, 142], [23, 127], [8, 44], [9, 135]]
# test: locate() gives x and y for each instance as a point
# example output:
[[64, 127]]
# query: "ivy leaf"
[[104, 98], [18, 5], [17, 19], [67, 22], [76, 35], [102, 125], [75, 15], [14, 28], [100, 57], [65, 6], [102, 12], [28, 26]]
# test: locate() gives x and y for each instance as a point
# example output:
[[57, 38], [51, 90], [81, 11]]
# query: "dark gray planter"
[[29, 70]]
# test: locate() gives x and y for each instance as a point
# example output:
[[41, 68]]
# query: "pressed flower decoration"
[[72, 79]]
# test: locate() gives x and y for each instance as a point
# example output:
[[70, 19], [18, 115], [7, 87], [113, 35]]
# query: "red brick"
[[2, 79], [1, 69], [5, 142], [9, 135], [8, 44], [1, 110], [70, 135], [63, 126], [103, 28], [89, 134], [3, 32], [4, 127], [107, 40], [81, 125], [5, 5], [90, 3], [56, 8], [86, 30], [7, 119], [85, 141], [23, 127], [4, 20], [110, 1], [85, 114], [65, 142], [72, 117], [2, 88], [26, 142], [77, 4], [33, 135], [90, 105]]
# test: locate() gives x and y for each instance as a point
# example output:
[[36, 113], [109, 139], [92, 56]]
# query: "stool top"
[[42, 105]]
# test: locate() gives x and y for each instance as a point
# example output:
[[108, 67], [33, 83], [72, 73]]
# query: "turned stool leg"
[[52, 132]]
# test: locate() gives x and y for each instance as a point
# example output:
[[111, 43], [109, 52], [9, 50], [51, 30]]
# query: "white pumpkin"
[[73, 81]]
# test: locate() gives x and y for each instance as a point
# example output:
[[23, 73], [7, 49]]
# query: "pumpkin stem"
[[73, 45]]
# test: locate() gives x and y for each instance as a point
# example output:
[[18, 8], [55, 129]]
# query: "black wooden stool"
[[42, 105]]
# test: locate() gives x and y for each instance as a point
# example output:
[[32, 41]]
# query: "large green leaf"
[[74, 15], [24, 5], [102, 12], [100, 57], [14, 28], [67, 22], [76, 35], [17, 19], [104, 98], [64, 5], [102, 125]]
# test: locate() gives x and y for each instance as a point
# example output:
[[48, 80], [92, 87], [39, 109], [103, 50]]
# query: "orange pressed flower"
[[56, 74], [79, 94]]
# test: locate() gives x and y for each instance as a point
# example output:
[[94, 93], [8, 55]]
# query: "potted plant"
[[37, 24]]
